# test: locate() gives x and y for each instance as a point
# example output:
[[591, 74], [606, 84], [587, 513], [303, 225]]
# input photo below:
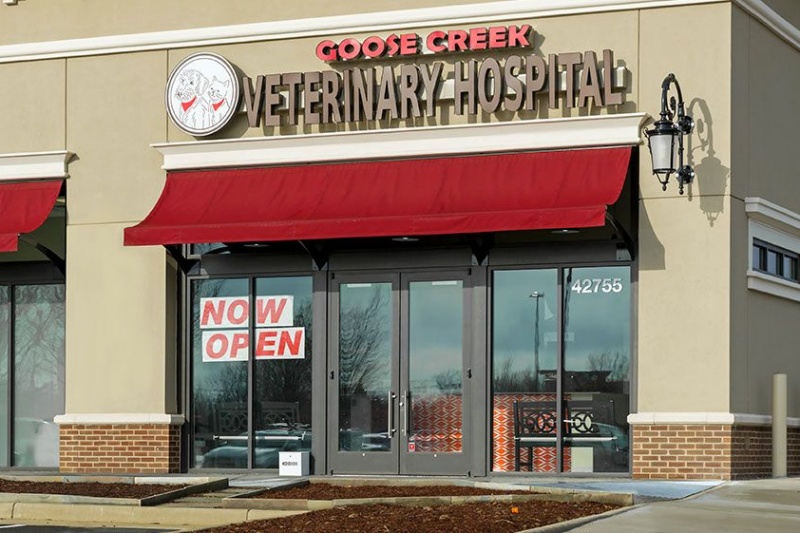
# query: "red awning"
[[453, 195], [24, 206]]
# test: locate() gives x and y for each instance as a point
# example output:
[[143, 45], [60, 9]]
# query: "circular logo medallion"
[[202, 94]]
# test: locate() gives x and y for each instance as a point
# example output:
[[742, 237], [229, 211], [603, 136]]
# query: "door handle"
[[406, 412], [390, 429]]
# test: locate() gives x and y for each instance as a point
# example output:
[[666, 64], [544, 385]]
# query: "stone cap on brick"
[[88, 419]]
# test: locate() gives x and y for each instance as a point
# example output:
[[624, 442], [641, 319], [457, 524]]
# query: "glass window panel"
[[435, 363], [282, 395], [200, 249], [365, 358], [39, 350], [597, 341], [790, 267], [219, 372], [773, 262], [524, 352], [758, 257], [5, 345]]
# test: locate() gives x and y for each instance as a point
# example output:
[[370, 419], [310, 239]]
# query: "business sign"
[[511, 82], [225, 336], [203, 91], [202, 94]]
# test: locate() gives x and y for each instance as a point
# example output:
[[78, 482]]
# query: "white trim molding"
[[773, 224], [707, 418], [365, 22], [546, 134], [107, 419], [758, 281], [772, 214], [34, 165]]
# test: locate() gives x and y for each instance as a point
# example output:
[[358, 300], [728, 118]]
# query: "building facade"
[[424, 240]]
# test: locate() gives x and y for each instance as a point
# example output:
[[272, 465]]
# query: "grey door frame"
[[398, 459]]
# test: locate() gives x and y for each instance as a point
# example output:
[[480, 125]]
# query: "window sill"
[[773, 285]]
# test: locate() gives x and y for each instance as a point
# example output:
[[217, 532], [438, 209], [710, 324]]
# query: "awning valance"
[[436, 196], [24, 206]]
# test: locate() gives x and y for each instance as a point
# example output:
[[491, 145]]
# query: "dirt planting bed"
[[100, 490], [466, 518]]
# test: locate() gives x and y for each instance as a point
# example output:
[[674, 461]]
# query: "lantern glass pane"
[[664, 150]]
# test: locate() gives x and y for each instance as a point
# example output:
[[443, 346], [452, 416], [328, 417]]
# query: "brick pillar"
[[132, 448]]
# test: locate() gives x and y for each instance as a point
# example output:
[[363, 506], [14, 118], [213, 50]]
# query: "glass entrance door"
[[400, 382]]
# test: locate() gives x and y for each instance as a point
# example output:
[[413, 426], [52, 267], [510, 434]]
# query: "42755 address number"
[[597, 285]]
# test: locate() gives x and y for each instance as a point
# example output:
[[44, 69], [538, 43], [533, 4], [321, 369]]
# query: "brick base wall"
[[119, 448], [711, 451]]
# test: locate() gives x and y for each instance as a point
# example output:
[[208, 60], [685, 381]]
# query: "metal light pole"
[[536, 295]]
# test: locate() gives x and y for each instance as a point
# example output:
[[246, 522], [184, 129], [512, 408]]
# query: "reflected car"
[[376, 442], [617, 446], [232, 450], [35, 442]]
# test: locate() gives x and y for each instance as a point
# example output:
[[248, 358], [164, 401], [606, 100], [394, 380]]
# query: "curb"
[[111, 515]]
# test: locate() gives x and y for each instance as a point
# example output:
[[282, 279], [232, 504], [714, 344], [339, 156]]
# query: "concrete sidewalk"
[[762, 506]]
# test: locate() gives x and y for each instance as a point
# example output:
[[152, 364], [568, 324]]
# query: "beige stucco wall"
[[683, 325], [33, 124], [763, 327], [116, 296], [45, 20]]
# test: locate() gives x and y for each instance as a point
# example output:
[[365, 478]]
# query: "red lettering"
[[373, 47], [270, 310], [393, 41], [409, 44], [349, 49], [242, 307], [477, 39], [519, 35], [217, 345], [457, 40], [498, 37], [434, 41], [265, 346], [212, 315], [289, 346], [240, 341], [326, 50]]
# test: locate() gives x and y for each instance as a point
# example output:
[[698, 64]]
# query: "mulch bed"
[[329, 491], [467, 518], [101, 490]]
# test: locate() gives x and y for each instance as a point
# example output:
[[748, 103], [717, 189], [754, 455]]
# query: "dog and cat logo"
[[202, 94]]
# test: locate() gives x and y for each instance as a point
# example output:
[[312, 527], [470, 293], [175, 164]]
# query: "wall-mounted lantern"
[[665, 140]]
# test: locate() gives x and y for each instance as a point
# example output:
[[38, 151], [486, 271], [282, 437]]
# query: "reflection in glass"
[[39, 326], [597, 340], [365, 355], [435, 359], [219, 388], [524, 352], [282, 395], [5, 337]]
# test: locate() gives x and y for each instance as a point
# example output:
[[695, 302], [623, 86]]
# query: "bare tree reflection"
[[362, 346], [506, 379]]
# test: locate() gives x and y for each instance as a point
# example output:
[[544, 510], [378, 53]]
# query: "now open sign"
[[234, 312], [225, 337]]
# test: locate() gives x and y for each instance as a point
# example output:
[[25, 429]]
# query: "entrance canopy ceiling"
[[435, 196], [24, 206]]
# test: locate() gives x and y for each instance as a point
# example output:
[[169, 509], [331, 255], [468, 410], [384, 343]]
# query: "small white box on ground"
[[293, 463]]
